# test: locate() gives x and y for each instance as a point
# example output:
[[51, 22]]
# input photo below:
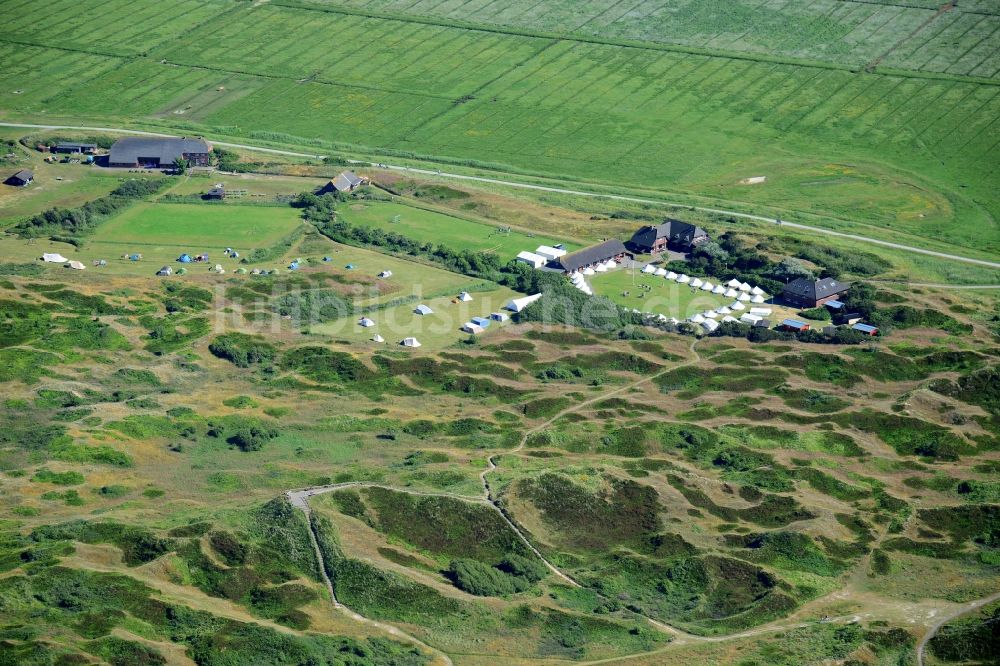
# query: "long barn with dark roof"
[[593, 255], [154, 152]]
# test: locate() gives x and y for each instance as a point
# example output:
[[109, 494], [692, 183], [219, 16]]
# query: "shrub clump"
[[242, 350]]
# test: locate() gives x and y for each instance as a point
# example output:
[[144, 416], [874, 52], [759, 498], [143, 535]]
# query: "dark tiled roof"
[[815, 290], [129, 149], [25, 174], [672, 230], [592, 255]]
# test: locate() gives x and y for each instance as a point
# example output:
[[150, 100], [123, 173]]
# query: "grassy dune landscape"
[[222, 468]]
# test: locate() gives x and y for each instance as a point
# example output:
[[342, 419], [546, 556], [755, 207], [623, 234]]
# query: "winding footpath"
[[963, 610], [545, 188], [299, 498]]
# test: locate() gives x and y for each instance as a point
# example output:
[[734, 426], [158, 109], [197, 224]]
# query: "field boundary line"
[[942, 10], [624, 43]]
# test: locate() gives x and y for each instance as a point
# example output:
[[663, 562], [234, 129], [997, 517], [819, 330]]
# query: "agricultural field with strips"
[[877, 114]]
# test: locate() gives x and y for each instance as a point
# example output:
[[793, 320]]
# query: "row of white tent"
[[580, 283], [602, 267], [730, 289]]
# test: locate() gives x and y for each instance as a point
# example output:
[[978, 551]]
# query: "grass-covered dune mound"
[[613, 541]]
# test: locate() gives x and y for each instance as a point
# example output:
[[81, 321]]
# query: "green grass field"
[[434, 331], [911, 149], [55, 185], [198, 228], [664, 297], [416, 278], [454, 232]]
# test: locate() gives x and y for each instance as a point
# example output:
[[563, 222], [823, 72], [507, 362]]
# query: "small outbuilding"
[[81, 148], [22, 178], [867, 329], [550, 253], [794, 325], [532, 259], [217, 193]]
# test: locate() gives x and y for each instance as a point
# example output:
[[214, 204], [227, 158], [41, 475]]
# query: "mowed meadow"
[[879, 114]]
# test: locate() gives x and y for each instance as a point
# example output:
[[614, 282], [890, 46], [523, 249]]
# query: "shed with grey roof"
[[346, 181], [21, 178]]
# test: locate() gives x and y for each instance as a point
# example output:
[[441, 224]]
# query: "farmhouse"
[[805, 293], [154, 152], [346, 181], [672, 234], [21, 179], [591, 256], [88, 148]]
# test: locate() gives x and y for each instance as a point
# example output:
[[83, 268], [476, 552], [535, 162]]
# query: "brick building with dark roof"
[[805, 293], [593, 255], [672, 234], [153, 152]]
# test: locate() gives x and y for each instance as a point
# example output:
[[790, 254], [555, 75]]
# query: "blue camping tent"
[[135, 257], [185, 258], [294, 266], [327, 258], [349, 266], [481, 321]]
